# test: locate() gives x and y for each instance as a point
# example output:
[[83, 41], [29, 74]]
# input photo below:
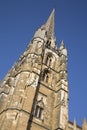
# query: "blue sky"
[[18, 21]]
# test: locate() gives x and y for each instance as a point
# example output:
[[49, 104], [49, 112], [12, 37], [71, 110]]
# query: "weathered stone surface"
[[34, 93]]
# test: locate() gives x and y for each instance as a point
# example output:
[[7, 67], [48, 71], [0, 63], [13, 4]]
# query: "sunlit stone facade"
[[34, 93]]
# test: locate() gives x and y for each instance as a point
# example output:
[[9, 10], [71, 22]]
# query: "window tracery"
[[39, 110], [48, 43], [49, 59], [45, 75]]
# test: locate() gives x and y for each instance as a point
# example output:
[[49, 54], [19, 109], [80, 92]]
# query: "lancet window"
[[45, 75], [48, 43], [48, 59], [39, 109], [38, 112]]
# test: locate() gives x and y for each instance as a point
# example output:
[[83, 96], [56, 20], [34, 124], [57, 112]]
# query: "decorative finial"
[[62, 45], [74, 124], [62, 49], [84, 125]]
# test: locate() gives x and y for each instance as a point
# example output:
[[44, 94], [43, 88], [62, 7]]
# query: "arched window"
[[45, 75], [39, 109], [48, 43], [38, 112], [48, 59], [46, 78]]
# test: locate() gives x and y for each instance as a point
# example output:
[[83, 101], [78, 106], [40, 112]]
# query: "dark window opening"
[[46, 33], [48, 43], [45, 76], [48, 59]]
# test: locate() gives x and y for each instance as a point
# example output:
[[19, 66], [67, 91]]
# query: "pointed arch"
[[45, 75], [48, 59], [39, 109]]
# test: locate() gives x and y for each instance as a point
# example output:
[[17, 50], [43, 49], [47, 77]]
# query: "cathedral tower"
[[34, 93]]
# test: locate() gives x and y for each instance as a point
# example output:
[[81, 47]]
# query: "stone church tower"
[[34, 93]]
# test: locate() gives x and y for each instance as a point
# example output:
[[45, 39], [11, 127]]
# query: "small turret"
[[62, 45], [74, 125], [62, 49], [84, 125]]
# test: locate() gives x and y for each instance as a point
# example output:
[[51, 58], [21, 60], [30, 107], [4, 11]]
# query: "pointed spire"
[[84, 125], [50, 25], [62, 45], [62, 48]]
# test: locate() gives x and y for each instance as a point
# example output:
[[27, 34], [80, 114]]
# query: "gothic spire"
[[50, 25], [46, 29]]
